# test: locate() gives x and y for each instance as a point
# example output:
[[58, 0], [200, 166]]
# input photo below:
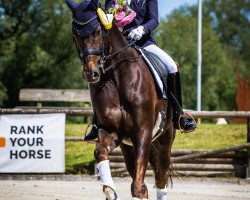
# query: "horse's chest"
[[110, 117]]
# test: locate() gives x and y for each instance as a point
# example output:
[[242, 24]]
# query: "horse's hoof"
[[110, 194], [117, 198]]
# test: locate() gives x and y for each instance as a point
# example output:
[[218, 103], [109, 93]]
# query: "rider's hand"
[[137, 33]]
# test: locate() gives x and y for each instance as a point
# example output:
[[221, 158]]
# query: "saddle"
[[157, 69]]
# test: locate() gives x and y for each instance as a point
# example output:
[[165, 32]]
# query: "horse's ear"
[[71, 4], [106, 22]]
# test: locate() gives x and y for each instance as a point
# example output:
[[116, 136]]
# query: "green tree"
[[232, 24], [36, 48], [177, 35]]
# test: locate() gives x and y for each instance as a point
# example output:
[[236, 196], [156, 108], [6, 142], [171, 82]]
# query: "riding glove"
[[137, 33]]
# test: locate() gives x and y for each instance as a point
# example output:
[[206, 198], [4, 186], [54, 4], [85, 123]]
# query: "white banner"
[[32, 143]]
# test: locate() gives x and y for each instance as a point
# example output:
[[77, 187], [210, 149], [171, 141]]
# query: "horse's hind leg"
[[129, 158], [160, 161], [106, 144]]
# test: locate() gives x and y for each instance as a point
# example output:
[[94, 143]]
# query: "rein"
[[105, 58], [117, 62], [120, 50], [101, 52]]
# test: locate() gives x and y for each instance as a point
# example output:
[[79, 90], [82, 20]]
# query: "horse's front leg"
[[141, 145], [106, 144]]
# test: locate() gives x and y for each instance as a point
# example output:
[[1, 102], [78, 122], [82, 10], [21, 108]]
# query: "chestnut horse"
[[126, 105]]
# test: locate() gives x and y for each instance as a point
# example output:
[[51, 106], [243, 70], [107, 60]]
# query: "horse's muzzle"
[[92, 76]]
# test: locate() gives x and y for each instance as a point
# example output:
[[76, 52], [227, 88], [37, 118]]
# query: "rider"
[[141, 29]]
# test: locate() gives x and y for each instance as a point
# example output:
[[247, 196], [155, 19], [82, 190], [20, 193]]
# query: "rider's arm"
[[152, 14]]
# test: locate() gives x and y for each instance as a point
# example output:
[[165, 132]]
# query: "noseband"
[[87, 52]]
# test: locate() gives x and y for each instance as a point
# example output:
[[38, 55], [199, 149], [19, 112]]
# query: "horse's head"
[[88, 35]]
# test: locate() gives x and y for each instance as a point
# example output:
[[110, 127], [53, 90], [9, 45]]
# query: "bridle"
[[103, 51]]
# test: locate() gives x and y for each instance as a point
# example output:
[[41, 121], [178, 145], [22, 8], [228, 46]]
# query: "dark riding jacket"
[[147, 16]]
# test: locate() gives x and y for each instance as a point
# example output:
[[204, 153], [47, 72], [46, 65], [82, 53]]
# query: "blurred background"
[[36, 48]]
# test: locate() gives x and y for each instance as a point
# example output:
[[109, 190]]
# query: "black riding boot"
[[93, 134], [180, 119]]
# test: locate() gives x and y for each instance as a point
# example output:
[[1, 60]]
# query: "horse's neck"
[[117, 76], [116, 43], [116, 40]]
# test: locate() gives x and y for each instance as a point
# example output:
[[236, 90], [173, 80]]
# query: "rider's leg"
[[180, 120], [93, 134], [175, 88], [168, 62]]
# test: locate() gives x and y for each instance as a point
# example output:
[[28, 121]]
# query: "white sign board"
[[31, 143]]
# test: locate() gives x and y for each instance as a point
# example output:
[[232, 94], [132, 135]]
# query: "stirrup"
[[189, 118], [89, 133]]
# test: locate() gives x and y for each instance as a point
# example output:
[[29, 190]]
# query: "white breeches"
[[168, 62]]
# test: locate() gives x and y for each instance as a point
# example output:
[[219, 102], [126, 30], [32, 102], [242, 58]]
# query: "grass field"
[[80, 159]]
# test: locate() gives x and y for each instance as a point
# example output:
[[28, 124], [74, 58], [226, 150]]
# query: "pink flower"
[[123, 21], [123, 13], [120, 15]]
